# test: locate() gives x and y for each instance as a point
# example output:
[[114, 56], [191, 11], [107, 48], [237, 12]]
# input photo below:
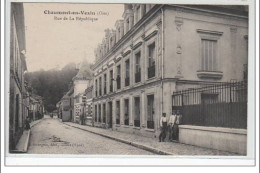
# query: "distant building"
[[18, 94], [156, 50], [89, 103], [80, 82], [65, 108], [36, 107]]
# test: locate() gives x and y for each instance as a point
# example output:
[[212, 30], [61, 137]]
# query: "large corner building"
[[156, 50]]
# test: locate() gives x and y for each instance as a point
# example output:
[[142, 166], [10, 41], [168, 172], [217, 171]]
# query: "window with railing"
[[150, 111], [117, 112], [118, 78], [126, 118], [137, 67], [127, 72], [151, 60], [137, 111]]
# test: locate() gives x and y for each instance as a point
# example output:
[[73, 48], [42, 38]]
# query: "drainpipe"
[[162, 56]]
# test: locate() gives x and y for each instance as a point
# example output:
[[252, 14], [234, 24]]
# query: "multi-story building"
[[18, 93], [89, 104], [80, 82], [158, 49]]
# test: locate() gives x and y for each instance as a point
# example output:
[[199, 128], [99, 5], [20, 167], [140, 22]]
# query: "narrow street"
[[51, 136]]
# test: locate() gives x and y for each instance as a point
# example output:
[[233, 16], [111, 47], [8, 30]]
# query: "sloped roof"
[[84, 73]]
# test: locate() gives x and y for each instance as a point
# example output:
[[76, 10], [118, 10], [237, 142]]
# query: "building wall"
[[183, 43], [139, 42], [17, 67]]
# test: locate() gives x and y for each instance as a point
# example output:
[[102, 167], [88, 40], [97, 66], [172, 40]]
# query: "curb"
[[138, 145], [26, 144]]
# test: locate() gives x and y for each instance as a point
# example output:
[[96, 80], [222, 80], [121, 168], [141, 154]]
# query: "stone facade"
[[160, 49]]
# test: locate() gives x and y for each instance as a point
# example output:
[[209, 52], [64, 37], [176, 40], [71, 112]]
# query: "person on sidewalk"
[[176, 125], [163, 126], [27, 123], [171, 123]]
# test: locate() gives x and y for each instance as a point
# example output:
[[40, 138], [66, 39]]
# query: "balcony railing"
[[118, 82], [138, 76], [150, 124], [151, 71], [137, 123], [127, 81]]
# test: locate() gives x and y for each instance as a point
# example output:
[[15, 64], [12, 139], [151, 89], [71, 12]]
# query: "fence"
[[219, 105]]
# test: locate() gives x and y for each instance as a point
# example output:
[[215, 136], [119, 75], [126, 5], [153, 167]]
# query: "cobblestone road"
[[53, 137]]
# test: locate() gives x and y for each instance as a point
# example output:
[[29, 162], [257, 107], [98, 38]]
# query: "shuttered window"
[[208, 55]]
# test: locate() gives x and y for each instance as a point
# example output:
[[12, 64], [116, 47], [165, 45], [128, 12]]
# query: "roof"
[[85, 73]]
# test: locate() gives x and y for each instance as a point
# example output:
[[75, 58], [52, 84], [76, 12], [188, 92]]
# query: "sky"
[[53, 43]]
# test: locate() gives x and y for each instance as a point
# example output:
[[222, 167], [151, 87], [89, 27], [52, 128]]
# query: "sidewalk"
[[151, 144], [22, 145]]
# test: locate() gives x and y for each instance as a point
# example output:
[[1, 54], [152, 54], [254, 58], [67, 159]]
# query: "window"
[[104, 113], [111, 80], [96, 113], [151, 60], [119, 34], [127, 72], [150, 111], [127, 25], [137, 67], [105, 83], [77, 99], [138, 13], [208, 55], [100, 86], [99, 113], [117, 112], [137, 112], [96, 88], [126, 122], [118, 78]]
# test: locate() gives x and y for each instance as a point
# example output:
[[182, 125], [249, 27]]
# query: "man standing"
[[177, 123], [171, 126], [163, 126]]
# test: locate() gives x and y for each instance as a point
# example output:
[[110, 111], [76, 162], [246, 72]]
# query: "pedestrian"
[[178, 121], [171, 123], [163, 126], [27, 123]]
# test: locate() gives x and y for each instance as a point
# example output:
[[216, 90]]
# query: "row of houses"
[[22, 103], [158, 59]]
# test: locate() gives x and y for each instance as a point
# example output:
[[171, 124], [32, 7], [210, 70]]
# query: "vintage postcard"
[[136, 80]]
